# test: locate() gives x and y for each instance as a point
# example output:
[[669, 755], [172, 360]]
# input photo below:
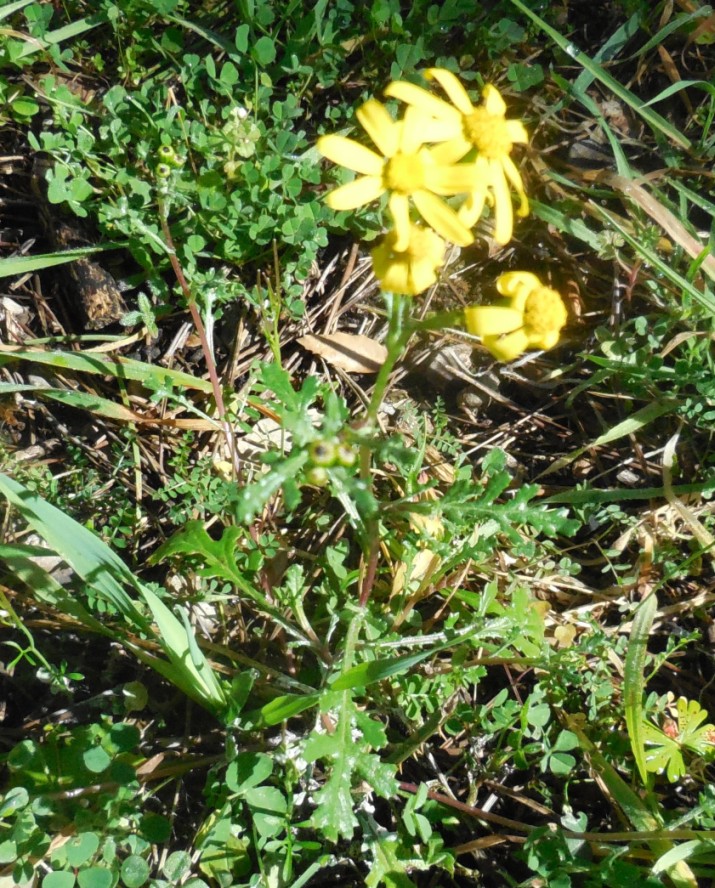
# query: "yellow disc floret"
[[404, 173], [544, 312], [489, 133]]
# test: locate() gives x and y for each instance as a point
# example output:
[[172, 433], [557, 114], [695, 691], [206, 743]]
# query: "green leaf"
[[86, 554], [135, 871], [247, 770], [8, 851], [13, 801], [25, 264], [634, 679], [264, 51], [177, 865], [376, 670], [95, 877], [102, 569], [58, 880], [96, 760], [630, 426], [525, 76], [287, 706], [155, 828], [81, 848], [152, 377], [348, 752]]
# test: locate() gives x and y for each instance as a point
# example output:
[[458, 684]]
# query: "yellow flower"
[[484, 128], [404, 168], [532, 319], [412, 270]]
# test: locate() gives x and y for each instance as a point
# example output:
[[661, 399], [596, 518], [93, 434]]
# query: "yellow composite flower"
[[533, 317], [412, 270], [485, 128], [404, 168]]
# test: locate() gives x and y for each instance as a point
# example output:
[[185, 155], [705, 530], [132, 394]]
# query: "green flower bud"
[[318, 476], [323, 453], [345, 455], [166, 153]]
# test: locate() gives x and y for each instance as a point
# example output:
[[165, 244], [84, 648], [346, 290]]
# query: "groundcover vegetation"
[[356, 443]]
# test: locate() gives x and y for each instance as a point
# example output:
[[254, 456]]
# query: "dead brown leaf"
[[350, 352]]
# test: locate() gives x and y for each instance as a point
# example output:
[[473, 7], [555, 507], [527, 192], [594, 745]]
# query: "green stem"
[[398, 334]]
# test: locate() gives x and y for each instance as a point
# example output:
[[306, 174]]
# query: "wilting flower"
[[485, 128], [533, 317], [404, 168], [413, 269]]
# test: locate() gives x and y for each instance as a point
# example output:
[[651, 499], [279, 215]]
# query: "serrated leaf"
[[349, 752], [251, 499]]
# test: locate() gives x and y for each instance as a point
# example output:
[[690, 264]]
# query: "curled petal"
[[400, 211], [492, 320], [363, 190], [503, 213], [493, 101], [506, 348], [450, 84], [471, 210], [425, 101], [382, 129], [442, 218], [513, 283], [514, 177], [350, 154]]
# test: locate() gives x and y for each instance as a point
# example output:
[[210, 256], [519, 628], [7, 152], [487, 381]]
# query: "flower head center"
[[488, 133], [404, 173], [544, 312]]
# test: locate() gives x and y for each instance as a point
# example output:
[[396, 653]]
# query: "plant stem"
[[201, 332]]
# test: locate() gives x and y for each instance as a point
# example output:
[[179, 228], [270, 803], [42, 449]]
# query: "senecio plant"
[[439, 150]]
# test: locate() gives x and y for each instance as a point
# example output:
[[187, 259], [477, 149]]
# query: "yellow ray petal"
[[425, 101], [414, 124], [394, 276], [400, 211], [471, 210], [450, 84], [491, 320], [423, 275], [506, 348], [455, 179], [514, 177], [493, 101], [363, 190], [503, 213], [451, 151], [513, 283], [377, 123], [350, 154], [442, 218], [546, 340], [516, 131]]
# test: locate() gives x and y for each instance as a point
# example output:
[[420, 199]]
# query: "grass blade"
[[634, 679], [653, 119], [26, 264], [153, 377]]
